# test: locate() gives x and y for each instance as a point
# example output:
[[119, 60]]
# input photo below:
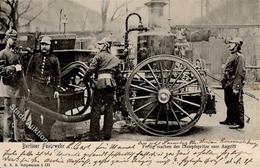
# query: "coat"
[[234, 74], [11, 80], [43, 74], [103, 63]]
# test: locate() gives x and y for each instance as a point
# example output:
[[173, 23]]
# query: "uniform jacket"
[[234, 74], [12, 80], [43, 74], [103, 62]]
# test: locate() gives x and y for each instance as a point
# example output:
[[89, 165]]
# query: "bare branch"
[[114, 17], [8, 2], [3, 21], [25, 10], [122, 14], [35, 16], [104, 9], [4, 12]]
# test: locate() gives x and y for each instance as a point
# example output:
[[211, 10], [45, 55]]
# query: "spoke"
[[170, 75], [161, 69], [79, 82], [78, 79], [147, 104], [72, 79], [179, 76], [76, 86], [176, 117], [154, 75], [143, 88], [179, 107], [150, 112], [81, 74], [158, 115], [187, 102], [186, 84], [141, 97], [188, 93], [71, 112], [78, 109], [147, 81], [167, 117]]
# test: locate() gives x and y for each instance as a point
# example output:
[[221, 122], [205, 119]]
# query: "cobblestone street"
[[207, 127]]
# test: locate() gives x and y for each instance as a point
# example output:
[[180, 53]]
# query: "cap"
[[46, 40]]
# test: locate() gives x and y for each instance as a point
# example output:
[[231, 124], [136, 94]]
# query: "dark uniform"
[[43, 77], [11, 87], [105, 66], [234, 80]]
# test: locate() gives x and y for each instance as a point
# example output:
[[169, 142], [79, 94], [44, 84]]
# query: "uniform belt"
[[105, 75], [40, 80]]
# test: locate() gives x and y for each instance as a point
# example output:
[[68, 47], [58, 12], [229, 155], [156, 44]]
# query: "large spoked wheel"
[[165, 95], [73, 83]]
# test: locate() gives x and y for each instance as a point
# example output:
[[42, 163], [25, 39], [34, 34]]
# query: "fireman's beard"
[[12, 46], [45, 50]]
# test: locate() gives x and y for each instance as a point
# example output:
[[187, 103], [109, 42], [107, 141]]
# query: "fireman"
[[233, 83], [43, 79], [105, 66], [11, 82]]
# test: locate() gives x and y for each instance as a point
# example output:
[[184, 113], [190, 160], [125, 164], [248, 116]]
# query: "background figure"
[[11, 82], [43, 78], [105, 66], [233, 83]]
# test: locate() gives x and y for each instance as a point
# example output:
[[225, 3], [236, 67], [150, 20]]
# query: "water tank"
[[154, 43]]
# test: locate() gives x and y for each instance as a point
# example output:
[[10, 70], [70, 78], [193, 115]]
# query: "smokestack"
[[156, 14]]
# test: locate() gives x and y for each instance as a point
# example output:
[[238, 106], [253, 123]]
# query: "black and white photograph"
[[153, 73]]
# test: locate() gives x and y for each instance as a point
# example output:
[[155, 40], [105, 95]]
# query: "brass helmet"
[[46, 40], [236, 40], [107, 42], [11, 33]]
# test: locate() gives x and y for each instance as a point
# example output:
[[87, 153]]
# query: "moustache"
[[44, 49]]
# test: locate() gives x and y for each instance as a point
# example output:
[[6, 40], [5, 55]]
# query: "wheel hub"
[[164, 95]]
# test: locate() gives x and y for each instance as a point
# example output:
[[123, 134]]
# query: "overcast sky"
[[182, 11]]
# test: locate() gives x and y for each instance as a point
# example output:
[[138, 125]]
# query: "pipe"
[[57, 116], [127, 31]]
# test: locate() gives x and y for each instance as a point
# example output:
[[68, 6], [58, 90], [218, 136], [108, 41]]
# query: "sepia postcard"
[[129, 83]]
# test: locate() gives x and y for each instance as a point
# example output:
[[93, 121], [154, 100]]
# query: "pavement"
[[207, 127]]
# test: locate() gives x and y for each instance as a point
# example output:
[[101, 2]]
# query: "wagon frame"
[[164, 94]]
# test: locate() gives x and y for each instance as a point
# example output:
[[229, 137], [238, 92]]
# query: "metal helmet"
[[236, 40], [46, 40], [11, 33], [107, 42]]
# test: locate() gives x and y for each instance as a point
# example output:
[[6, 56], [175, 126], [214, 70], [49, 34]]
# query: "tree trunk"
[[16, 19], [104, 9], [13, 13]]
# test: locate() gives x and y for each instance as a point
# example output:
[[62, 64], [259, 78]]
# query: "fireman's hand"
[[18, 67], [235, 91], [10, 69], [56, 94]]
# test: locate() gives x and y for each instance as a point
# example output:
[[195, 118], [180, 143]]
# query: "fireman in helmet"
[[43, 79], [105, 66], [233, 83], [11, 82]]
